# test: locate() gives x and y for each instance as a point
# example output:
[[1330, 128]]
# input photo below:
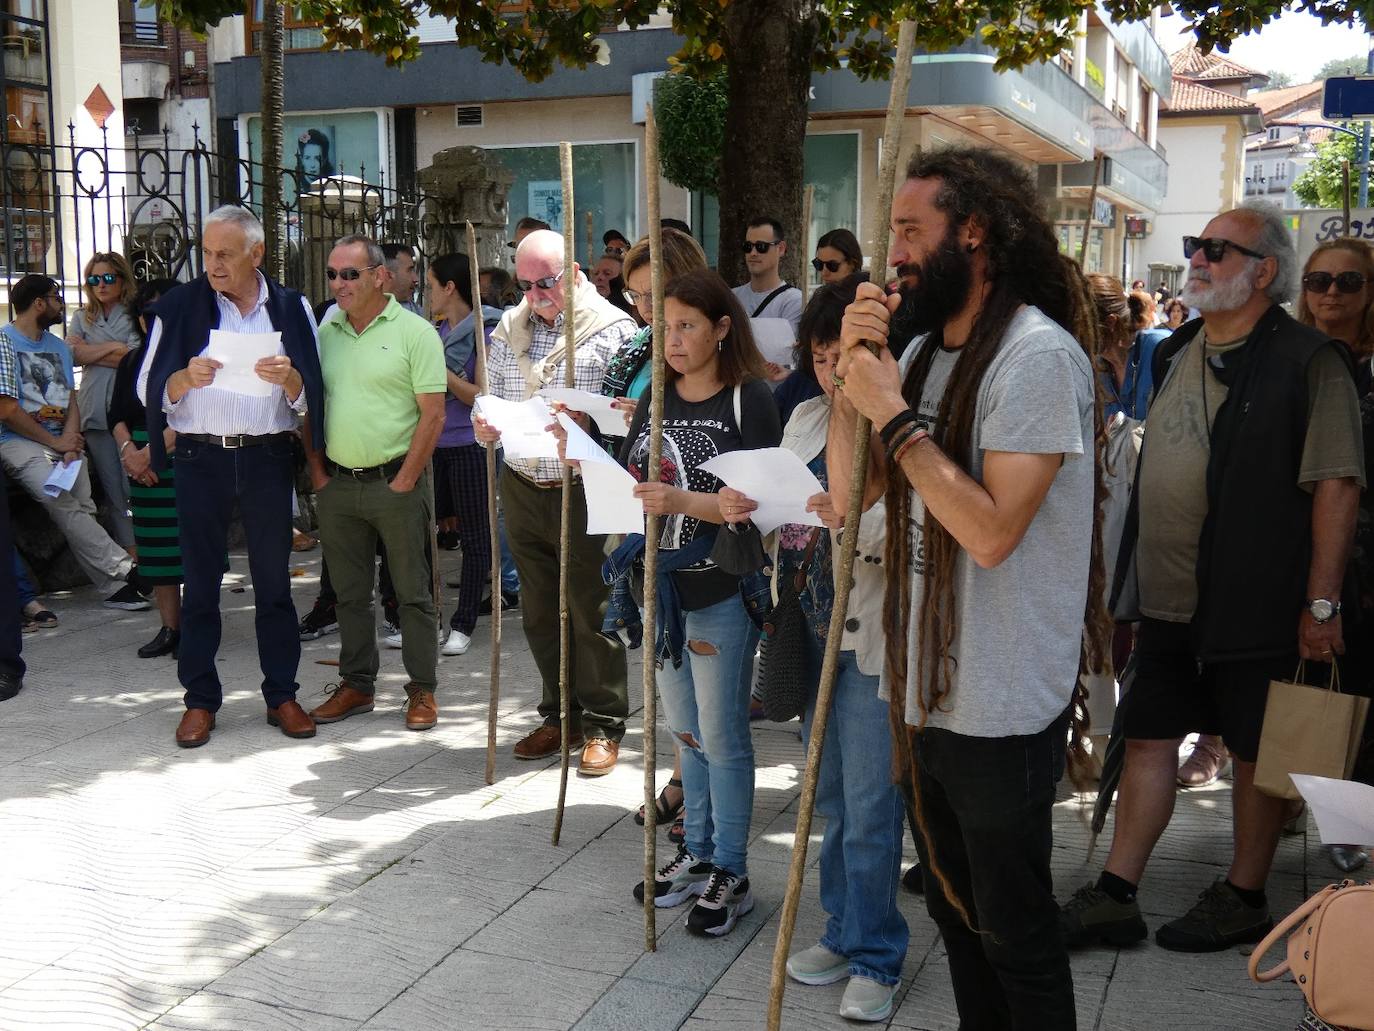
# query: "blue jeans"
[[621, 611], [27, 592], [706, 705], [861, 853]]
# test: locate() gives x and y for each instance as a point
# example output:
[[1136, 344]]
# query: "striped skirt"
[[155, 524]]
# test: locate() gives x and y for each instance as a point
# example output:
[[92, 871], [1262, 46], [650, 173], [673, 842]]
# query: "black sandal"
[[663, 811]]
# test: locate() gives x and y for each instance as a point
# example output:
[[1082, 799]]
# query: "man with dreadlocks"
[[987, 452]]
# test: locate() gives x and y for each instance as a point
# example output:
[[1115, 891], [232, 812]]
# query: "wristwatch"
[[1323, 610]]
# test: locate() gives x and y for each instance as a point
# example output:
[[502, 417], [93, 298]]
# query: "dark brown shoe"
[[421, 712], [344, 701], [292, 720], [544, 742], [194, 728], [598, 757]]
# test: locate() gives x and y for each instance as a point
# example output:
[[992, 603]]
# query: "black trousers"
[[210, 481], [987, 804], [11, 635]]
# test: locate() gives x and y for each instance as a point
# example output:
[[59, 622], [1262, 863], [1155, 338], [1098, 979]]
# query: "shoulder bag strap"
[[769, 299], [799, 577]]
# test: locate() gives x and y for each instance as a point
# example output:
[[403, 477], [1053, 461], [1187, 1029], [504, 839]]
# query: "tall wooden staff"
[[651, 532], [479, 327], [843, 557], [591, 240], [565, 533], [808, 201]]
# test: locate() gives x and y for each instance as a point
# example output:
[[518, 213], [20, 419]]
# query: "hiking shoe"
[[1092, 915], [1219, 920], [817, 965], [724, 901], [678, 880], [128, 599], [866, 999], [318, 622]]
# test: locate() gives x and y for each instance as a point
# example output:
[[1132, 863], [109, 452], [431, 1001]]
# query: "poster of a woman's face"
[[322, 144], [314, 148]]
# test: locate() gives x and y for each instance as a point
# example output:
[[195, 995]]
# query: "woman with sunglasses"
[[838, 256], [101, 334], [1338, 299]]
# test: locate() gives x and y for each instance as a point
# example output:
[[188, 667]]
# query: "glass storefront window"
[[24, 56], [604, 183], [26, 116]]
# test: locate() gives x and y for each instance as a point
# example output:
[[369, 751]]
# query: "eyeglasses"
[[547, 283], [762, 246], [1346, 282], [56, 298], [1213, 248], [347, 274], [108, 278], [633, 296], [829, 266]]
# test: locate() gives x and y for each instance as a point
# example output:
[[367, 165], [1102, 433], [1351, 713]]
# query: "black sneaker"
[[1219, 920], [1092, 915], [724, 901], [139, 582], [678, 880], [448, 540], [127, 598], [318, 622], [509, 600], [10, 685]]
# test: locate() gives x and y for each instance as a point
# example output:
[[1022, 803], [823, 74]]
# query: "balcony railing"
[[134, 33]]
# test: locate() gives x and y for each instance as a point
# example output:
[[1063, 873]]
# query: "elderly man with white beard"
[[1240, 530]]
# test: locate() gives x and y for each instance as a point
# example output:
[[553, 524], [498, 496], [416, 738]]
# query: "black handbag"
[[782, 660]]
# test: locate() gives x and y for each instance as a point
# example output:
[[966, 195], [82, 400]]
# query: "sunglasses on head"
[[1213, 248], [1346, 282], [829, 266], [762, 246], [547, 283], [347, 274], [108, 278]]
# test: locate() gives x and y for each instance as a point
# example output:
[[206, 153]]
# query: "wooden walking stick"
[[843, 556], [651, 532], [479, 328], [565, 532], [591, 240], [808, 200]]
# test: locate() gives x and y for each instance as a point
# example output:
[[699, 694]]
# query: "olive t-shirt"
[[1173, 471]]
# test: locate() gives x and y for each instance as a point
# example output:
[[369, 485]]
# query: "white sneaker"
[[393, 640], [457, 643], [817, 965], [866, 999]]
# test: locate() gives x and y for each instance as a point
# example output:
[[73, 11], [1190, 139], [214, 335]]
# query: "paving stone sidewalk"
[[369, 879]]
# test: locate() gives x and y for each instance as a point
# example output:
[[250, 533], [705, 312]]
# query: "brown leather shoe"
[[344, 701], [194, 728], [544, 742], [421, 712], [292, 720], [598, 758]]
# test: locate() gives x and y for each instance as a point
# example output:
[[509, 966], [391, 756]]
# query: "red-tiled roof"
[[1194, 98], [1194, 64], [1273, 101]]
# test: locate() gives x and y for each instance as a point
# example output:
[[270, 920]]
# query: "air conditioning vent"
[[469, 117]]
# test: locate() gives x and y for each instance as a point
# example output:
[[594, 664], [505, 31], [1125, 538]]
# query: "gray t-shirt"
[[787, 305], [1019, 624]]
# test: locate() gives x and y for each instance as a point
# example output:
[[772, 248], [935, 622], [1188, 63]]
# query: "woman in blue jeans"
[[865, 937]]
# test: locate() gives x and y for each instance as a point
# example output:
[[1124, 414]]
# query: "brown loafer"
[[194, 728], [292, 720], [598, 757], [421, 712], [344, 701], [544, 742]]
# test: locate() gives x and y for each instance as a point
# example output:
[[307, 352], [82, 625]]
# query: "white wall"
[[1193, 197]]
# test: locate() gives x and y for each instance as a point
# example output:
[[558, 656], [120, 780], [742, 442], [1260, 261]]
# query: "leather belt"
[[385, 471], [236, 440], [536, 484]]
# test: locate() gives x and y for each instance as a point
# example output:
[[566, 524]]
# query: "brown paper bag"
[[1312, 730]]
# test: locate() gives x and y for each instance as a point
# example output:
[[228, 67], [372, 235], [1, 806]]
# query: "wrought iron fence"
[[65, 202]]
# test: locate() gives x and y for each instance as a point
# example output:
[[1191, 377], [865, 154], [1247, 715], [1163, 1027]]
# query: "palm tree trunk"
[[273, 111]]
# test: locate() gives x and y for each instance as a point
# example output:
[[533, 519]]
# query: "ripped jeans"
[[706, 705]]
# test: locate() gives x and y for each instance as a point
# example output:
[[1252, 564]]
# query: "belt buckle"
[[231, 443]]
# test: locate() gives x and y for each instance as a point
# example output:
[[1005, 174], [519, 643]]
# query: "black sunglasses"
[[108, 278], [829, 266], [1213, 248], [762, 246], [547, 283], [347, 274], [1346, 282]]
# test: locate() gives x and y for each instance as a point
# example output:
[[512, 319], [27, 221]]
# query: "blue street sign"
[[1347, 98]]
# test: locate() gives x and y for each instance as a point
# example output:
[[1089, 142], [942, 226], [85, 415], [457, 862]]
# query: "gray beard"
[[1210, 297]]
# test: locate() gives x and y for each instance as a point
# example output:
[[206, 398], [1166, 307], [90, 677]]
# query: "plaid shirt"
[[9, 369], [505, 380]]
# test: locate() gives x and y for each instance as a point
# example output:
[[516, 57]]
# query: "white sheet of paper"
[[611, 504], [610, 421], [521, 424], [239, 352], [1344, 810], [774, 477], [775, 339], [63, 477], [581, 447]]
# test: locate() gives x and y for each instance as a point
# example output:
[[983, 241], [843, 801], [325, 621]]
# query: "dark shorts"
[[1174, 695]]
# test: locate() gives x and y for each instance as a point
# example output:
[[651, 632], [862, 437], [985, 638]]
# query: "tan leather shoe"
[[344, 701], [544, 742], [292, 720], [1205, 764], [194, 728], [598, 757], [422, 712]]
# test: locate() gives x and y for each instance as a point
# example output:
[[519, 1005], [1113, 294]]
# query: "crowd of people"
[[1064, 484]]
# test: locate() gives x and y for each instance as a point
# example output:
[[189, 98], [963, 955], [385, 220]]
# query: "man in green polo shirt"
[[384, 388]]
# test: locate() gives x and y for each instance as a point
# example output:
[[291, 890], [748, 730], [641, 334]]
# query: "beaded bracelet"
[[905, 445], [894, 424]]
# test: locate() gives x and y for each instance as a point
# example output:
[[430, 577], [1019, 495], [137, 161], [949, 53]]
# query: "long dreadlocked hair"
[[1024, 267]]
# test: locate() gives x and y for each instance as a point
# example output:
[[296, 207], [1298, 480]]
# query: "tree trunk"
[[273, 128], [768, 48]]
